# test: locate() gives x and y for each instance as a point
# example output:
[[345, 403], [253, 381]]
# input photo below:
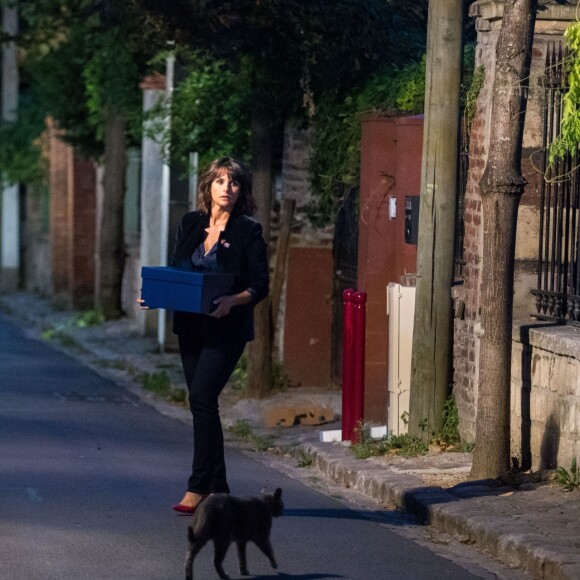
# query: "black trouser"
[[207, 363]]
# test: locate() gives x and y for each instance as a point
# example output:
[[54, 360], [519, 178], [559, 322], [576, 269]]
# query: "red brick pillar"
[[59, 160], [72, 223], [390, 168], [82, 263]]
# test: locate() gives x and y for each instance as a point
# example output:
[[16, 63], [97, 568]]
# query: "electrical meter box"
[[411, 219]]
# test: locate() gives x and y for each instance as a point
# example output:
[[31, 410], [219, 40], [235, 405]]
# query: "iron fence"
[[558, 283]]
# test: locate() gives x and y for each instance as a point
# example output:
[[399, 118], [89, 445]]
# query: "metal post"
[[358, 391], [193, 175], [9, 192], [165, 196], [347, 362]]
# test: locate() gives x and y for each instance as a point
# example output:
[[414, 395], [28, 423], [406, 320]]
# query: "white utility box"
[[401, 313]]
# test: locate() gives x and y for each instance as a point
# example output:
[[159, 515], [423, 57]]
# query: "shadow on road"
[[387, 516]]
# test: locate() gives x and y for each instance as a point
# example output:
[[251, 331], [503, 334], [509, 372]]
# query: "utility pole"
[[433, 326], [10, 198]]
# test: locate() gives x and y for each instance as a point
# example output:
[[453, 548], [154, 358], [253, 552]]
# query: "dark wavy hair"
[[236, 172]]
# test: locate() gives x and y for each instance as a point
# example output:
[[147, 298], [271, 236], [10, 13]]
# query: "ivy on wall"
[[335, 155], [569, 137]]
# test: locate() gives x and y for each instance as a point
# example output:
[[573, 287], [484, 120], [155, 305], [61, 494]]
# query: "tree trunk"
[[501, 186], [260, 350], [112, 247], [433, 336]]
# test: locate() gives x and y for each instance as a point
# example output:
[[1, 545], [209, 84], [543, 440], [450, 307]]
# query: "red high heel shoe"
[[184, 509], [187, 509]]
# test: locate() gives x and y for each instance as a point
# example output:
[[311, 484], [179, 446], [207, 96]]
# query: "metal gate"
[[558, 284], [345, 258]]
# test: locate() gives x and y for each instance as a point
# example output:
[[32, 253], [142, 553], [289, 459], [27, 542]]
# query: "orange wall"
[[308, 316], [390, 166]]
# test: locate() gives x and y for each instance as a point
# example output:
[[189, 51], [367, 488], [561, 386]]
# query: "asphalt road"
[[88, 474]]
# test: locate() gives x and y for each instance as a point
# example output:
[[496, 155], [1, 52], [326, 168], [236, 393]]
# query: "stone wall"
[[550, 26], [545, 395], [36, 242]]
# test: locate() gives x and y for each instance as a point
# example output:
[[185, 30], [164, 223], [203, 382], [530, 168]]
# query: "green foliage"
[[405, 445], [59, 334], [296, 48], [449, 434], [157, 383], [54, 75], [470, 99], [279, 379], [335, 155], [160, 384], [242, 430], [567, 141], [21, 159], [304, 459], [111, 76], [210, 111], [239, 378], [89, 318], [569, 480], [399, 89], [179, 396], [83, 58]]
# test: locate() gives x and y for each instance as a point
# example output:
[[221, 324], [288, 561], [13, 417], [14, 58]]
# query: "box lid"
[[169, 274]]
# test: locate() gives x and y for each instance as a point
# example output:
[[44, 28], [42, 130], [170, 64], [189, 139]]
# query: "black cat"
[[224, 519]]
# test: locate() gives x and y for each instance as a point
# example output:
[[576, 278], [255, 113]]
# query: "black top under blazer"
[[241, 251]]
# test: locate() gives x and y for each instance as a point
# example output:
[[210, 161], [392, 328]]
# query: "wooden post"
[[286, 216], [432, 340]]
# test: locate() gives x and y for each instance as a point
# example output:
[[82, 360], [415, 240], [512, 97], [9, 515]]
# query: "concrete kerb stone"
[[504, 541]]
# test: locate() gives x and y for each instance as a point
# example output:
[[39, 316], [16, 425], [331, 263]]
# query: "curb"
[[506, 542]]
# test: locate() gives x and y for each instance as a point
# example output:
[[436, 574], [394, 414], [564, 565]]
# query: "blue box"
[[173, 289]]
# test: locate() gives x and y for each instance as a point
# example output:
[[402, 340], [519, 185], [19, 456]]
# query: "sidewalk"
[[535, 527]]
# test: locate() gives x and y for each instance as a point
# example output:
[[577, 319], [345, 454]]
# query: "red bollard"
[[347, 362], [353, 362], [358, 392]]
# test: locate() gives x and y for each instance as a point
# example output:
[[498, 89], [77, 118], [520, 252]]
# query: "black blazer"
[[241, 251]]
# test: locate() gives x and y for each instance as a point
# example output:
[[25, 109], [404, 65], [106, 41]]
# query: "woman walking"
[[220, 237]]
